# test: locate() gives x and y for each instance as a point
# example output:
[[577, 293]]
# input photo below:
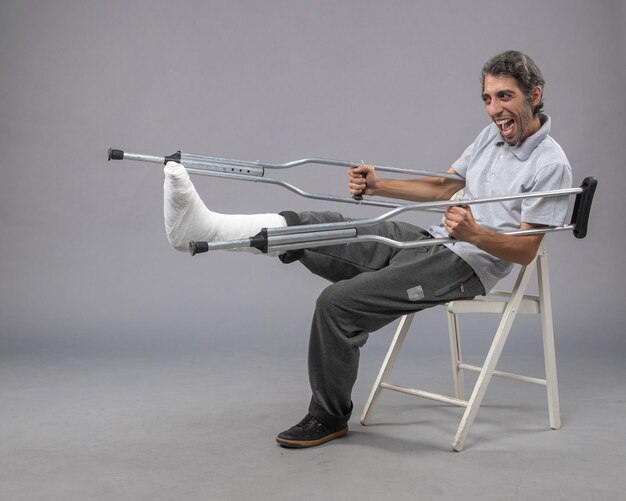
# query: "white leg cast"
[[187, 218]]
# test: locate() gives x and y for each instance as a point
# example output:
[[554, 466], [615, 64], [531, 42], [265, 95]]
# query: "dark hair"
[[521, 67]]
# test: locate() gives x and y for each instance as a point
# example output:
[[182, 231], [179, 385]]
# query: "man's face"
[[507, 106]]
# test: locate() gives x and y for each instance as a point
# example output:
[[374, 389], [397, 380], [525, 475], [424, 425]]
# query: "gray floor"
[[96, 426]]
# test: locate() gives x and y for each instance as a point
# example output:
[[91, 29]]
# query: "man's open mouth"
[[506, 126]]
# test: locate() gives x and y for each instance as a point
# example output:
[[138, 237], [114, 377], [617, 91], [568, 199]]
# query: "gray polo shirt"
[[491, 167]]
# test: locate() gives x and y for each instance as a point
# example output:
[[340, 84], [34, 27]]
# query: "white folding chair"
[[508, 305]]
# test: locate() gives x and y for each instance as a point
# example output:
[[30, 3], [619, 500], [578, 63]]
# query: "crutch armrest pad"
[[582, 207]]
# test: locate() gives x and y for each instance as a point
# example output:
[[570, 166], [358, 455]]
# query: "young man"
[[374, 284]]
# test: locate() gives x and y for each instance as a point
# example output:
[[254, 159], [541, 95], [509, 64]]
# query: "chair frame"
[[508, 305]]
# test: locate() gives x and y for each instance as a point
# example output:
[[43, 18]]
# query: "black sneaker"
[[310, 432]]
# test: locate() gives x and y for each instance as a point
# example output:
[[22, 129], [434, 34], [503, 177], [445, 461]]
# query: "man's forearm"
[[519, 249], [418, 190]]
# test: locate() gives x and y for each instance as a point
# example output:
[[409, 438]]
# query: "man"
[[374, 284]]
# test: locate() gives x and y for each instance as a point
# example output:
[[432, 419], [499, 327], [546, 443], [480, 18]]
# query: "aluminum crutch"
[[318, 235], [247, 170]]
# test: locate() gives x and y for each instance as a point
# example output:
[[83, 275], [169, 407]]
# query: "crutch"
[[254, 171], [277, 240]]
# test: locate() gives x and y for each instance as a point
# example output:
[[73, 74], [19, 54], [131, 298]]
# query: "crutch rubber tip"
[[116, 154], [198, 247]]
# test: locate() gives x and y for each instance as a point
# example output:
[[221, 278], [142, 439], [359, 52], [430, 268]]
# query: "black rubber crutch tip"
[[116, 154], [198, 247]]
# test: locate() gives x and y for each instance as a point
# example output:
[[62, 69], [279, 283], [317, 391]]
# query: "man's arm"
[[522, 249], [364, 180], [459, 221]]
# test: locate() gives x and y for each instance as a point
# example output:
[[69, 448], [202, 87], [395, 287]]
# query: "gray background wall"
[[131, 371], [85, 263]]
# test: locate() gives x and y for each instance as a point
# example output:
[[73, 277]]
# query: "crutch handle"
[[582, 207], [359, 196]]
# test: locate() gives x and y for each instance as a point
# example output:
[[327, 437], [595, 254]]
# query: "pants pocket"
[[457, 285]]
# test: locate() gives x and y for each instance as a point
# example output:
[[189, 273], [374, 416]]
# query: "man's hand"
[[460, 223], [363, 180]]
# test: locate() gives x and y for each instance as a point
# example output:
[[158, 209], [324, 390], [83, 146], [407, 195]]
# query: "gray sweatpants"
[[373, 284]]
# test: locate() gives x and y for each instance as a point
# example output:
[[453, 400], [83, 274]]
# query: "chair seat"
[[530, 304]]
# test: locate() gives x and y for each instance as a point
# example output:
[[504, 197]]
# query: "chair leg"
[[491, 361], [549, 351], [387, 366], [455, 352]]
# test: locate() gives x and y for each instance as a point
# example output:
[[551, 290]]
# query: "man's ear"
[[537, 94]]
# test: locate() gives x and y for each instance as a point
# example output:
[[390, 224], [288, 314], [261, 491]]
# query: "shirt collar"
[[524, 150]]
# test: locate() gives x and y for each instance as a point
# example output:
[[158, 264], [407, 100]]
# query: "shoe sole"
[[303, 444]]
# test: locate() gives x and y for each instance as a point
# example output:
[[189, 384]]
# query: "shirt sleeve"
[[462, 163], [550, 211]]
